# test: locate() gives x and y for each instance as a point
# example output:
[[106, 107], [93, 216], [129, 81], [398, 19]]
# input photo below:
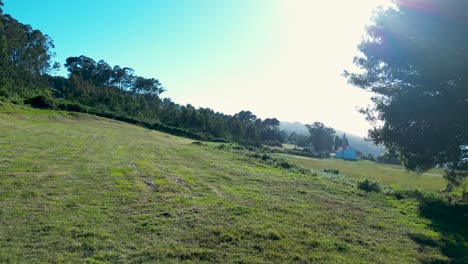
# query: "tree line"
[[26, 68], [26, 58], [26, 75]]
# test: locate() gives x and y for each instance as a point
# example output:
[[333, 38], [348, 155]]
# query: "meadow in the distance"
[[386, 174]]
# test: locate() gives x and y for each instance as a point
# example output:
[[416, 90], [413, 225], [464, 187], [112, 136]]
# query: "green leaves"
[[414, 60], [321, 137]]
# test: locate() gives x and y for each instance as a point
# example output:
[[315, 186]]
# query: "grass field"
[[383, 173], [76, 188]]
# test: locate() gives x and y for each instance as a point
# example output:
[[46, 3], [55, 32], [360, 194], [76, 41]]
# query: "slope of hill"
[[77, 188], [383, 173], [356, 142]]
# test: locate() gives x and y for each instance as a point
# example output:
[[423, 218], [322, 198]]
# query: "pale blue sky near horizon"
[[276, 58]]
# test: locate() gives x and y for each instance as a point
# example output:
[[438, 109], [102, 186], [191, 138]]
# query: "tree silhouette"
[[414, 60], [321, 137]]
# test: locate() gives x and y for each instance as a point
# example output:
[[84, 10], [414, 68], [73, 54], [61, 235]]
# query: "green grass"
[[76, 188], [383, 173]]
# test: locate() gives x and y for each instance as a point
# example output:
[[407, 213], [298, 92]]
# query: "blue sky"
[[144, 34], [277, 58]]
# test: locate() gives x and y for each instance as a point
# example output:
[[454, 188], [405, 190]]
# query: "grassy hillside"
[[77, 188], [383, 173]]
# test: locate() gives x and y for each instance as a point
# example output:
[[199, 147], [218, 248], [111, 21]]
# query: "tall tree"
[[246, 116], [103, 74], [252, 136], [414, 59], [293, 139], [236, 128], [270, 130], [3, 44], [82, 66], [25, 54], [345, 142], [338, 142], [321, 137], [151, 86]]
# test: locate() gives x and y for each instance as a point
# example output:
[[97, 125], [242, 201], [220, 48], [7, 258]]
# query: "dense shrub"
[[369, 186], [266, 157], [238, 147], [41, 101], [307, 150], [401, 193], [323, 155], [367, 157], [450, 211], [73, 107], [285, 164], [334, 171], [300, 153], [219, 140], [386, 159], [275, 143]]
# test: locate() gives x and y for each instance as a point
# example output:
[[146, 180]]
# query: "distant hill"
[[356, 142]]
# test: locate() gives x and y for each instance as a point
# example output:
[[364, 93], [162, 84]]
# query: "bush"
[[334, 171], [300, 153], [220, 140], [285, 164], [368, 157], [72, 106], [238, 147], [369, 186], [221, 147], [446, 211], [41, 101], [323, 155], [307, 150], [401, 193], [388, 160], [275, 143], [266, 157]]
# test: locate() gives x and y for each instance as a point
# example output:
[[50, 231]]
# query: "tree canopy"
[[26, 67], [414, 60], [321, 137], [25, 53]]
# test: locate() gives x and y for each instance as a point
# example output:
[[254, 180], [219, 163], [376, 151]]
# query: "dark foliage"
[[389, 157], [369, 186], [368, 157], [449, 218], [41, 101], [334, 171], [414, 60], [303, 153], [279, 163], [275, 143], [321, 137]]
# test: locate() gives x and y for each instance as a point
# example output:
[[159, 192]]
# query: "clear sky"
[[276, 58]]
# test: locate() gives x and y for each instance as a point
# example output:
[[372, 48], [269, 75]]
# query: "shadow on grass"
[[451, 221]]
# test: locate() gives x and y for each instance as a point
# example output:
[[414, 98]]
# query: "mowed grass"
[[383, 173], [76, 188]]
